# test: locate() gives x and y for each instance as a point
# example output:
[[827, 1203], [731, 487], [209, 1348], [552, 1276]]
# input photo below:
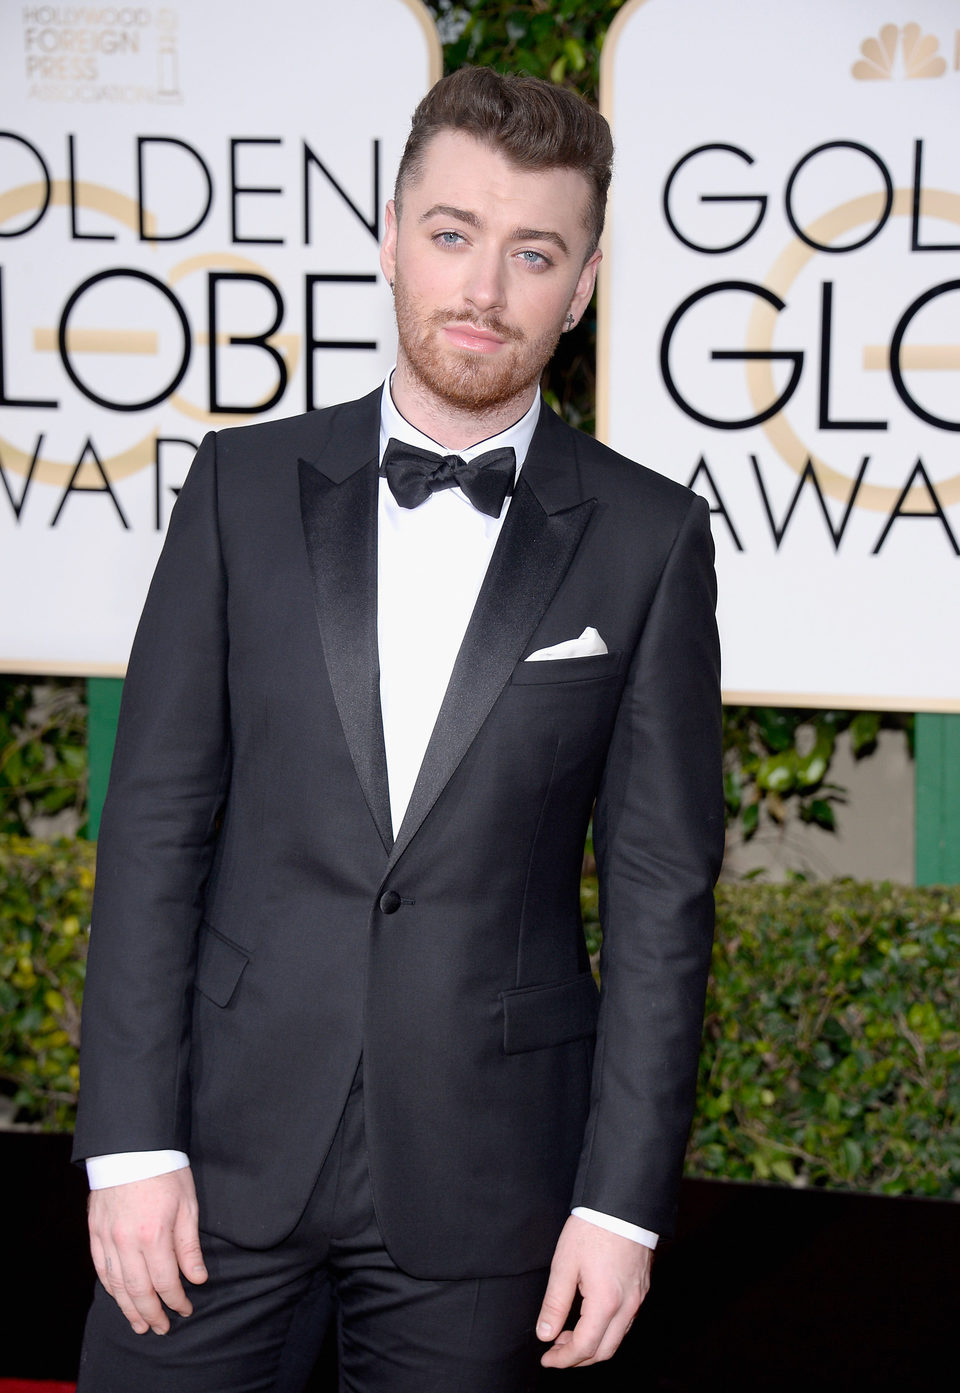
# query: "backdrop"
[[190, 207], [780, 326]]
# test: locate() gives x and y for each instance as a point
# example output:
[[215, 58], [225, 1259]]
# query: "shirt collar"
[[392, 424]]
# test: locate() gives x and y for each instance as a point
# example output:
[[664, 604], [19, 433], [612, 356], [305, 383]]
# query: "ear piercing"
[[391, 285], [569, 323]]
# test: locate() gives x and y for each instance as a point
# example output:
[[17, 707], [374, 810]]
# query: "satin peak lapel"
[[540, 536], [340, 530]]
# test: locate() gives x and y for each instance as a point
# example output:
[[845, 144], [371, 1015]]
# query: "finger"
[[186, 1244], [613, 1337], [588, 1336], [163, 1276], [111, 1276], [557, 1300], [108, 1268], [563, 1338], [99, 1257], [598, 1334], [139, 1292], [106, 1262]]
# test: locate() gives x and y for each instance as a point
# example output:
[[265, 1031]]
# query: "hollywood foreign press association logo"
[[93, 54]]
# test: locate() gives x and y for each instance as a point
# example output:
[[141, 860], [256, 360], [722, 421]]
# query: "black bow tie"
[[413, 474]]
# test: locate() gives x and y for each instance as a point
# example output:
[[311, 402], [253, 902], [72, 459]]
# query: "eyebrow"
[[519, 234], [536, 234], [448, 211]]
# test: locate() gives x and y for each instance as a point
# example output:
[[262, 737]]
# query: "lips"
[[473, 338]]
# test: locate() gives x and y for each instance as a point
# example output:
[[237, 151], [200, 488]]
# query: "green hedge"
[[831, 1048], [45, 894], [832, 1040]]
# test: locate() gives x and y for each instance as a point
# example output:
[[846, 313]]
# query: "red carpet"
[[29, 1385]]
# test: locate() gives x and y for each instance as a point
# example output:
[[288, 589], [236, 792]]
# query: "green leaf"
[[812, 767], [924, 1020], [852, 1155], [778, 773], [760, 1164], [575, 55], [864, 729], [820, 812], [775, 727]]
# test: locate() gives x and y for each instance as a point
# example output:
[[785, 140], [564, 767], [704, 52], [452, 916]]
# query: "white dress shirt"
[[431, 562]]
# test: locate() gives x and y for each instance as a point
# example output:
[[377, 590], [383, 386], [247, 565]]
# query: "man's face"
[[487, 262]]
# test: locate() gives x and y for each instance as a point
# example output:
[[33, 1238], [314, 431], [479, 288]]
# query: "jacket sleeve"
[[658, 836], [168, 780]]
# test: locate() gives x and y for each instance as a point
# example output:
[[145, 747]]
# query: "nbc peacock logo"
[[918, 55]]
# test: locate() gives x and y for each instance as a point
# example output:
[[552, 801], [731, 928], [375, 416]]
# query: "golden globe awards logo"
[[841, 231], [837, 232], [126, 335], [189, 229], [784, 326]]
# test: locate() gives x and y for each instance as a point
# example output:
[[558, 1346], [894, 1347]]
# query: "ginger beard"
[[467, 381]]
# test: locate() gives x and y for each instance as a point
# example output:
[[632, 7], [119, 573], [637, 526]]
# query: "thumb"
[[186, 1243], [557, 1300]]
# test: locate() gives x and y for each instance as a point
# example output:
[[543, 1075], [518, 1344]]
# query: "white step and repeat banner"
[[191, 200], [780, 326]]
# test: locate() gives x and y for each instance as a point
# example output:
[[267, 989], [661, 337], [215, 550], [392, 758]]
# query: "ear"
[[585, 283], [388, 247]]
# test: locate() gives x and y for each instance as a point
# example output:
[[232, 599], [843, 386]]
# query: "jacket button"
[[390, 902]]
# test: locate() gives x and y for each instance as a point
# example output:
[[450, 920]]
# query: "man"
[[337, 972]]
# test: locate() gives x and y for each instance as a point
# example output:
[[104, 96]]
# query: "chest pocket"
[[595, 668]]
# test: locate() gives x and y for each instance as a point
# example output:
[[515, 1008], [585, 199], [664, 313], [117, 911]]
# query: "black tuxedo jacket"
[[256, 927]]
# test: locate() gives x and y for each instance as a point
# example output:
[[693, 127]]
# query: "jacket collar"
[[541, 532]]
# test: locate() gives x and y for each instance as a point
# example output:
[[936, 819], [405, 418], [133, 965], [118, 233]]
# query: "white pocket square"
[[588, 645]]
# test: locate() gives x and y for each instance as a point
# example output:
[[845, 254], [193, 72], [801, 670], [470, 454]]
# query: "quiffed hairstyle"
[[533, 123]]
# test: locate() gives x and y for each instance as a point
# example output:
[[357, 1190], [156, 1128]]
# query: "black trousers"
[[260, 1318]]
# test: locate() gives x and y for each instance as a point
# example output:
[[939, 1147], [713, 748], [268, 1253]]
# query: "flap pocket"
[[220, 965], [589, 669], [536, 1017]]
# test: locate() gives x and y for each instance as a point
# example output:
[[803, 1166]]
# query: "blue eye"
[[448, 239]]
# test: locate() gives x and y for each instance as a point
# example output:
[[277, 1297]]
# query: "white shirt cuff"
[[124, 1166], [620, 1226]]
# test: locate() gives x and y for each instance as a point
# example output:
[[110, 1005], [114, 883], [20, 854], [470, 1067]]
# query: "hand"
[[613, 1276], [140, 1234]]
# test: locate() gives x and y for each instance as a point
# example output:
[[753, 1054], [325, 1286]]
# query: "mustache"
[[490, 324]]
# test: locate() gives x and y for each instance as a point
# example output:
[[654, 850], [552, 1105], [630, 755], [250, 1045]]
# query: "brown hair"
[[534, 124]]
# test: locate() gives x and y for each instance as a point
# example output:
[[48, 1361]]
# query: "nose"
[[485, 287]]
